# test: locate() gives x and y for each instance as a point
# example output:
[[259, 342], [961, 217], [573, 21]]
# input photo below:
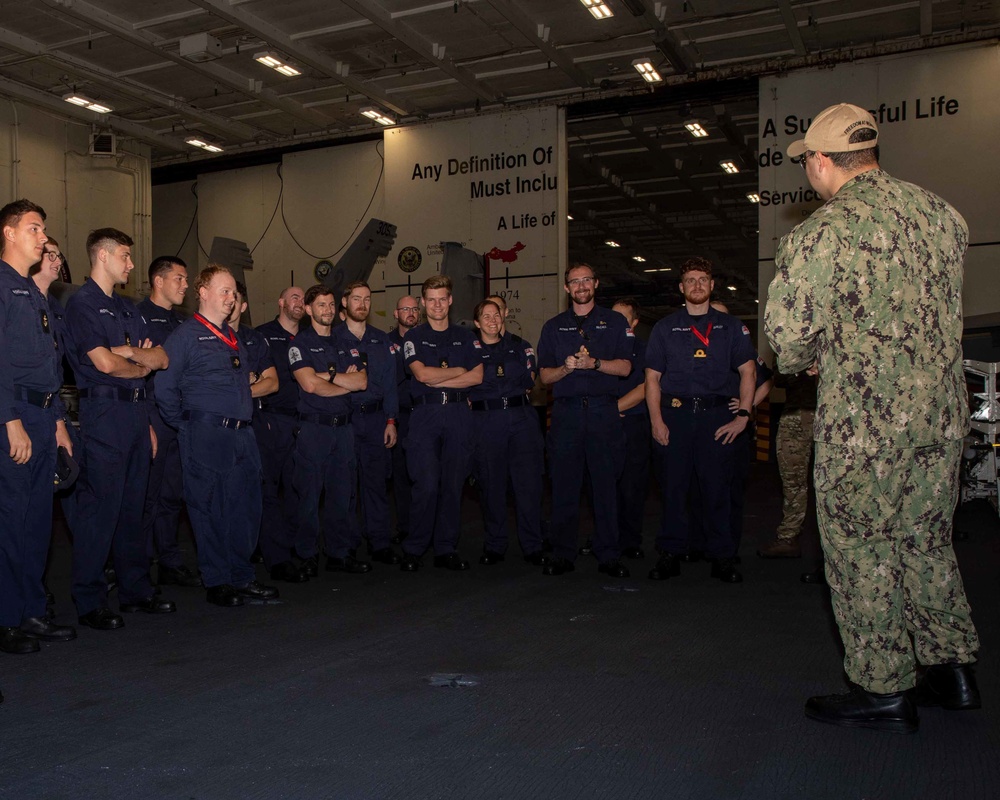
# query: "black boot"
[[893, 713], [951, 686]]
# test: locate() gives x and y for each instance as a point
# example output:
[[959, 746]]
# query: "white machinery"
[[979, 460]]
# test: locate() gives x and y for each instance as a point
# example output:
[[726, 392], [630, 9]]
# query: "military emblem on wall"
[[409, 259], [323, 269]]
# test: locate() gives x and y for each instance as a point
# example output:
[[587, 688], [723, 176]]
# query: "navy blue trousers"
[[587, 438], [439, 457], [276, 439], [509, 448], [109, 500], [325, 469], [401, 483], [374, 467], [693, 453], [222, 492], [161, 513], [26, 517], [633, 485]]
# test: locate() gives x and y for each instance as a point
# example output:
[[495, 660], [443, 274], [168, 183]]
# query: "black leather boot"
[[951, 686], [893, 713]]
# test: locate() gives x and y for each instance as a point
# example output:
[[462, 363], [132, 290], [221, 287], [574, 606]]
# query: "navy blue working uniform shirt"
[[258, 353], [376, 355], [605, 334], [323, 354], [278, 341], [29, 348], [453, 347], [403, 376], [507, 368], [636, 377], [205, 374], [160, 322], [688, 366], [96, 320]]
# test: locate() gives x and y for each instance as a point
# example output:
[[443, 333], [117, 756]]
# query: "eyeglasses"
[[802, 161], [580, 281], [693, 281], [52, 256], [408, 309]]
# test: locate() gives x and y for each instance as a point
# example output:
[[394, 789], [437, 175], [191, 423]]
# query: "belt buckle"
[[225, 422], [47, 402], [698, 404], [585, 402], [504, 403], [135, 395], [445, 399]]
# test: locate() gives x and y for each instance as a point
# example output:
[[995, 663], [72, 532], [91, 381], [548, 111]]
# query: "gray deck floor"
[[584, 687]]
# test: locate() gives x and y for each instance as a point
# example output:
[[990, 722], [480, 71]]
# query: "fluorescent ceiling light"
[[645, 68], [598, 9], [695, 129], [731, 288], [729, 167], [661, 269], [640, 259], [83, 101], [271, 59], [569, 217], [753, 197], [378, 116], [202, 144], [612, 243]]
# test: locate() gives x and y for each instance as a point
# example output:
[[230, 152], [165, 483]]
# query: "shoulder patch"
[[409, 350], [745, 331], [294, 355], [477, 344]]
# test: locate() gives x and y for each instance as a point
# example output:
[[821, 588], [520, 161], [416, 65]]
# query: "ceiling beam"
[[300, 51], [233, 128], [537, 34], [422, 47], [792, 26], [92, 16], [926, 17], [64, 109]]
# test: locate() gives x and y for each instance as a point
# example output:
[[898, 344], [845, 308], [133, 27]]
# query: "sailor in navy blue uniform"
[[633, 485], [582, 353], [205, 395], [375, 411], [48, 271], [407, 315], [168, 280], [445, 363], [263, 373], [111, 358], [507, 442], [690, 365], [327, 374], [276, 439], [30, 376]]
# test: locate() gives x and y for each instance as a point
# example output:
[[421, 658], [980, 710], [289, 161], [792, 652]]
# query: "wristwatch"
[[743, 413], [597, 363]]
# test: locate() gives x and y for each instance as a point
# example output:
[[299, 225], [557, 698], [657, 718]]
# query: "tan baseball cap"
[[831, 131]]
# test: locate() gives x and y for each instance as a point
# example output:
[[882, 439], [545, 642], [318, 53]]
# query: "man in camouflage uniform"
[[868, 294], [794, 448]]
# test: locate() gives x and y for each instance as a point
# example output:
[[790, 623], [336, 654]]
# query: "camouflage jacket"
[[870, 286]]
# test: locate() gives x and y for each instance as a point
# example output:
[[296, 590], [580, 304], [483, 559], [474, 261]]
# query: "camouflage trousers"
[[794, 446], [885, 520]]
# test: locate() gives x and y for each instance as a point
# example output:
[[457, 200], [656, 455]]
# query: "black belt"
[[440, 398], [332, 420], [215, 419], [115, 393], [694, 404], [285, 412], [34, 397], [514, 401], [369, 408], [587, 400]]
